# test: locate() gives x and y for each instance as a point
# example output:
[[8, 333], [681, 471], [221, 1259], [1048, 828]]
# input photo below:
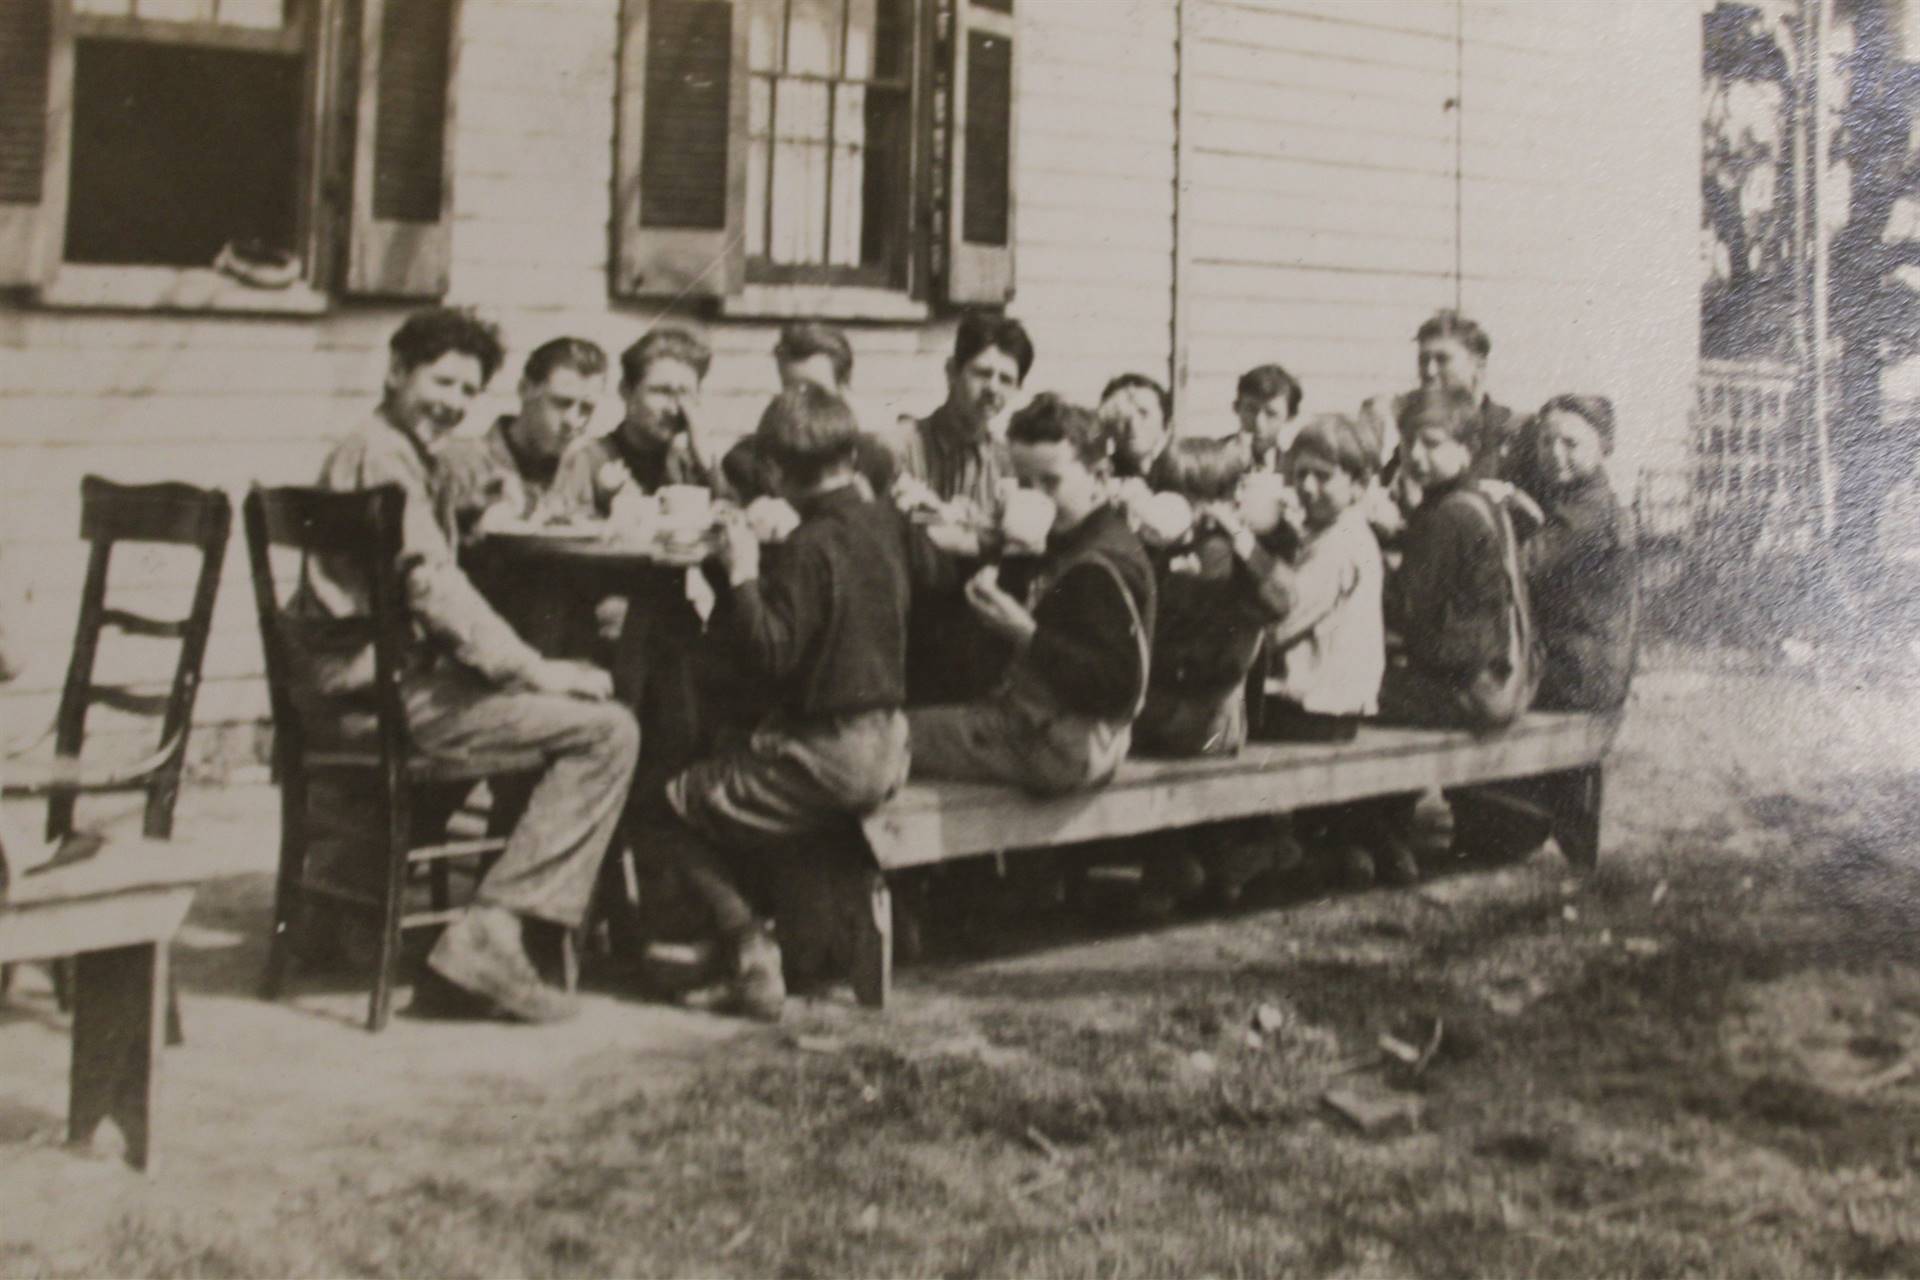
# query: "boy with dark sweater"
[[1453, 604], [824, 629], [1451, 601], [1062, 721]]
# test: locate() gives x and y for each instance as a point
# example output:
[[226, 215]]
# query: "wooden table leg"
[[872, 915], [119, 1013]]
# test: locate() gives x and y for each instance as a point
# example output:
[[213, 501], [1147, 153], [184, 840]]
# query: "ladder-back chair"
[[367, 737], [169, 514]]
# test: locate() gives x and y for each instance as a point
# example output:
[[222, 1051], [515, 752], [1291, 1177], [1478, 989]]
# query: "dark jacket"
[[1448, 602], [1580, 573], [1087, 648], [826, 623]]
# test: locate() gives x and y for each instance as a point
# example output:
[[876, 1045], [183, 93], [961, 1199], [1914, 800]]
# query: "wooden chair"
[[165, 514], [368, 739]]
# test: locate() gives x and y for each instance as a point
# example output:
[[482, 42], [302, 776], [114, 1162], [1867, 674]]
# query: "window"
[[225, 153], [845, 144]]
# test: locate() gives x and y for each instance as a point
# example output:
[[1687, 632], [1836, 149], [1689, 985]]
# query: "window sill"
[[823, 302], [191, 289]]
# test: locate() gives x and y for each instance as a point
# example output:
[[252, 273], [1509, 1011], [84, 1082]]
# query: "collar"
[[945, 425], [840, 497], [1083, 535], [538, 470], [420, 450]]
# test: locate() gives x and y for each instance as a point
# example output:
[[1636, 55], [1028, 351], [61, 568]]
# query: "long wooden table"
[[114, 912]]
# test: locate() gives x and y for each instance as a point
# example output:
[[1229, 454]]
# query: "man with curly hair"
[[472, 688]]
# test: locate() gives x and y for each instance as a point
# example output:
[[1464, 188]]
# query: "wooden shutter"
[[401, 241], [36, 101], [681, 170], [979, 213]]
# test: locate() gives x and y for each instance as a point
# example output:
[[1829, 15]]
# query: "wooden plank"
[[35, 929], [930, 823]]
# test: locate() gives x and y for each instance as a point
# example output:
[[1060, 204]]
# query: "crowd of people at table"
[[1012, 589]]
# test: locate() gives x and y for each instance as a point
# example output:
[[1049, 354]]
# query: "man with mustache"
[[471, 687], [953, 468]]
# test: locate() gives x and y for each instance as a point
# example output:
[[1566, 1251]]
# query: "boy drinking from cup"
[[1062, 720]]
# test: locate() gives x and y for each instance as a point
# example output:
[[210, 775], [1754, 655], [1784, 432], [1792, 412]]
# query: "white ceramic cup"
[[686, 506], [1026, 520], [1263, 500]]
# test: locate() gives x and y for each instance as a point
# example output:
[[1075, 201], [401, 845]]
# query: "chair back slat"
[[171, 514], [327, 522], [174, 513], [136, 624], [122, 698], [362, 527]]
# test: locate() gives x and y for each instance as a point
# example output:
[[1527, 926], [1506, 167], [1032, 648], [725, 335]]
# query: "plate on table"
[[536, 533]]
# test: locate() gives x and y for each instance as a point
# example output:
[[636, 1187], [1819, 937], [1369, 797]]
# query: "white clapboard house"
[[1180, 187]]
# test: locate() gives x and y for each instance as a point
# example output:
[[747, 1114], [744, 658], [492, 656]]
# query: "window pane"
[[104, 8], [264, 14], [178, 151], [175, 10], [860, 22], [813, 37], [849, 146], [764, 19], [799, 172]]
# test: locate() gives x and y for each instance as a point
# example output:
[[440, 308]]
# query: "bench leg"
[[1577, 808], [119, 1012], [872, 916]]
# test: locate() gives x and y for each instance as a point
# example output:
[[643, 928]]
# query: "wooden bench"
[[929, 823], [114, 912]]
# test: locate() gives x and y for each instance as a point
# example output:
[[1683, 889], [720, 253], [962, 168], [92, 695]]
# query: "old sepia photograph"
[[1003, 638]]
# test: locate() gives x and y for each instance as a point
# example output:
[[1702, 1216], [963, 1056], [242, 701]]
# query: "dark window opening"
[[178, 151]]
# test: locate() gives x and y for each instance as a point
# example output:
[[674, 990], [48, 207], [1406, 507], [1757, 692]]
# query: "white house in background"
[[1180, 187]]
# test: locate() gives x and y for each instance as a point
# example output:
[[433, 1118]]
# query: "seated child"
[[1329, 651], [1458, 602], [1579, 566], [1063, 718], [1220, 589], [1327, 654], [1267, 402], [1215, 603], [825, 628]]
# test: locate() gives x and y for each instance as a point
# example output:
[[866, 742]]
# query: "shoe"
[[758, 981], [1353, 867], [482, 953], [1394, 863]]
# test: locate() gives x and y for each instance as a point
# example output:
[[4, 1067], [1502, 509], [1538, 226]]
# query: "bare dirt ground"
[[1698, 1060]]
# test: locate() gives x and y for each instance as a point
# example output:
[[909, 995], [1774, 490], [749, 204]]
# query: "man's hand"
[[739, 550], [1000, 611], [571, 679]]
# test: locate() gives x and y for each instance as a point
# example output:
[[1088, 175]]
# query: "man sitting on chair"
[[472, 688]]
